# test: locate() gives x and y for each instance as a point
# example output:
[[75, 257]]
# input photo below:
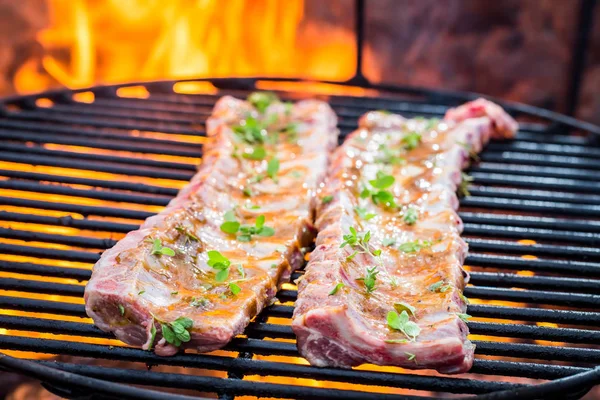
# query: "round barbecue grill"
[[78, 169]]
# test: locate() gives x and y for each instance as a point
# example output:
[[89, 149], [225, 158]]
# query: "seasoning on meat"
[[384, 283], [195, 274]]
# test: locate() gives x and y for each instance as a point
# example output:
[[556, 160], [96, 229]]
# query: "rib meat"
[[341, 315], [136, 286]]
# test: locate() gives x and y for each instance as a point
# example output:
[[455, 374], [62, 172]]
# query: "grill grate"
[[75, 176]]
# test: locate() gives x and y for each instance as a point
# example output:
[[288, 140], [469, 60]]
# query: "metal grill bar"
[[558, 165], [491, 367]]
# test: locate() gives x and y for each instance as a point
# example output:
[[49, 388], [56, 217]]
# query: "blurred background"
[[540, 52]]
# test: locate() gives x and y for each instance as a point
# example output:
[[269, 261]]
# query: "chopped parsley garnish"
[[463, 187], [336, 288], [410, 216], [262, 100], [121, 310], [413, 247], [411, 141], [403, 324], [363, 214], [219, 262], [158, 249], [464, 317], [405, 307], [178, 331], [258, 153], [235, 289], [327, 199]]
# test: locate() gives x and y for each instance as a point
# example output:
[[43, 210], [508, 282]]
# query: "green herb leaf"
[[121, 310], [336, 288], [411, 356], [399, 307], [464, 317], [266, 231], [152, 334], [260, 221], [247, 191], [168, 333], [262, 100], [258, 153], [403, 324], [222, 275], [370, 278], [387, 242], [327, 199], [362, 213], [410, 216], [174, 293], [397, 341], [235, 289], [158, 249], [440, 287], [463, 187], [413, 247], [200, 302], [464, 298], [273, 168], [244, 238], [217, 260], [187, 233], [411, 141], [241, 271], [431, 123], [141, 292], [230, 227], [384, 197], [382, 181], [434, 287]]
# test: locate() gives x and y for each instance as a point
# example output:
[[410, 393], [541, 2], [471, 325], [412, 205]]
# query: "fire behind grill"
[[76, 176]]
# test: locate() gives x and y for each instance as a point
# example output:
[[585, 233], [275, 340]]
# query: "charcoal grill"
[[74, 176]]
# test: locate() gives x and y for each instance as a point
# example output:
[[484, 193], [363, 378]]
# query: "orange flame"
[[109, 41]]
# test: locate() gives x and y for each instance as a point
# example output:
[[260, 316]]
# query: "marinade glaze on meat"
[[384, 283], [195, 274]]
